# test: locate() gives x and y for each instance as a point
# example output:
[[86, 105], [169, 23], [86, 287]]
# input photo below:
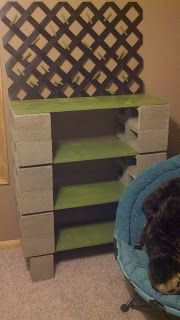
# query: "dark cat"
[[162, 236]]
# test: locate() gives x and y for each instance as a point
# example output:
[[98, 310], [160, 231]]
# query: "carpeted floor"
[[86, 287]]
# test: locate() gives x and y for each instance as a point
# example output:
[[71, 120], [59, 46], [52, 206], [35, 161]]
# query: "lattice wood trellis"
[[63, 52]]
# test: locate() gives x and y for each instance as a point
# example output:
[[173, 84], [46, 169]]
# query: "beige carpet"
[[84, 288]]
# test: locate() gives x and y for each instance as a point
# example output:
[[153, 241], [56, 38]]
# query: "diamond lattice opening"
[[99, 27], [77, 53], [121, 27], [66, 66], [56, 79], [63, 15], [132, 14], [43, 67], [75, 28], [109, 15], [64, 41], [13, 15], [134, 87], [32, 81], [68, 91], [53, 54], [38, 15], [15, 42], [111, 64], [121, 52], [78, 78], [90, 89], [45, 93], [133, 63], [101, 77], [40, 42], [27, 28], [100, 53], [52, 28], [21, 94], [28, 55], [132, 39], [87, 15], [89, 65], [18, 69], [122, 76], [112, 87], [88, 40], [110, 40]]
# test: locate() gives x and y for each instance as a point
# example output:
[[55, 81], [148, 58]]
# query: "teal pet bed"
[[130, 221]]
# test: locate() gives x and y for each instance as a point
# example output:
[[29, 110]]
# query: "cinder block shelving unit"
[[73, 158]]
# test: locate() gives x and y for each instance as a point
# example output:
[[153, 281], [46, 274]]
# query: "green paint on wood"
[[91, 149], [83, 103], [84, 235], [82, 195]]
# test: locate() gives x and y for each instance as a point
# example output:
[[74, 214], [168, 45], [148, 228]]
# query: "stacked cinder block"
[[146, 130], [32, 145]]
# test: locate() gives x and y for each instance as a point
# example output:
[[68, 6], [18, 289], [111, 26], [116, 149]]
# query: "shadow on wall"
[[174, 138]]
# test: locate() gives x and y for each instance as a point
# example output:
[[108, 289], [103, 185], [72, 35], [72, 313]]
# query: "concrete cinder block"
[[131, 167], [147, 141], [148, 118], [34, 178], [37, 233], [31, 127], [35, 201], [146, 160], [42, 267], [33, 153]]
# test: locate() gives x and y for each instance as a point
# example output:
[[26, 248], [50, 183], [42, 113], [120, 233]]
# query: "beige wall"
[[161, 52]]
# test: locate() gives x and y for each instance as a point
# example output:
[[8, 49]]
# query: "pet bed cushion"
[[130, 221]]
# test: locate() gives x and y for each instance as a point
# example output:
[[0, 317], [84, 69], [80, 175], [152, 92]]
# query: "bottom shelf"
[[74, 237]]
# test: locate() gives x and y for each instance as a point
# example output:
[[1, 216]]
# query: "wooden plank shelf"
[[81, 236], [92, 149], [81, 195], [83, 103]]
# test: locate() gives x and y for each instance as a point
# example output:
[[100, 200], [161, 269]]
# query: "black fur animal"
[[162, 236]]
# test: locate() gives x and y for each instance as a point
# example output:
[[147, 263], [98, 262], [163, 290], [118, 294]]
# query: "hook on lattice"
[[96, 76], [35, 41], [27, 56], [87, 45], [44, 68], [107, 17], [123, 31], [33, 84], [56, 83], [53, 30], [14, 20], [66, 46], [110, 91], [65, 19], [89, 18], [21, 73], [121, 55], [100, 56], [75, 78]]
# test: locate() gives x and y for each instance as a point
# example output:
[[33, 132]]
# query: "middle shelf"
[[91, 149], [73, 196]]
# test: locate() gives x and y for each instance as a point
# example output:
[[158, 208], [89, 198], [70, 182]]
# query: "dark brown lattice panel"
[[63, 52]]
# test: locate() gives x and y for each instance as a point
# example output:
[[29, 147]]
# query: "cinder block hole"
[[82, 124], [97, 213], [85, 172]]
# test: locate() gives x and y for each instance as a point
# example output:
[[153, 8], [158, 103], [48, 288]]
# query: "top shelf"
[[83, 103]]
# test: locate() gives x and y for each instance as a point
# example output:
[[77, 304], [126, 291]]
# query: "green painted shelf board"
[[75, 237], [91, 149], [81, 195], [83, 103]]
